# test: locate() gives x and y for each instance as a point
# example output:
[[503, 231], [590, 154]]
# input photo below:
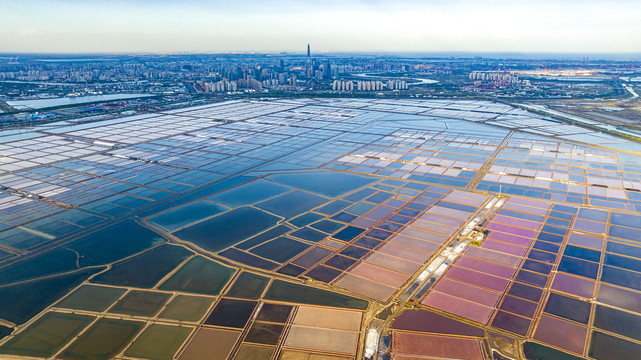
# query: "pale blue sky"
[[331, 25]]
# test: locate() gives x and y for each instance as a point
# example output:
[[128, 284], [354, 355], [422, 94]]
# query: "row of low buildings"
[[220, 86], [339, 85]]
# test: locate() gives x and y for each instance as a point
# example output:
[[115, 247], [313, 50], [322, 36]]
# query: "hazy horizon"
[[104, 56], [354, 26]]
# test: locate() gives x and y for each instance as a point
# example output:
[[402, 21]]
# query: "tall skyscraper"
[[308, 70]]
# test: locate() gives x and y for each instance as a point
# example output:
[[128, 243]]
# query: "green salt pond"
[[159, 342], [140, 303], [296, 293], [91, 298], [248, 286], [47, 335], [186, 308], [199, 275], [105, 339]]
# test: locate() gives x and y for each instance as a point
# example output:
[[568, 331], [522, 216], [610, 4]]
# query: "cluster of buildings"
[[496, 77]]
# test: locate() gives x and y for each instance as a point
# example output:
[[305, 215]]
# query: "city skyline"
[[72, 26]]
